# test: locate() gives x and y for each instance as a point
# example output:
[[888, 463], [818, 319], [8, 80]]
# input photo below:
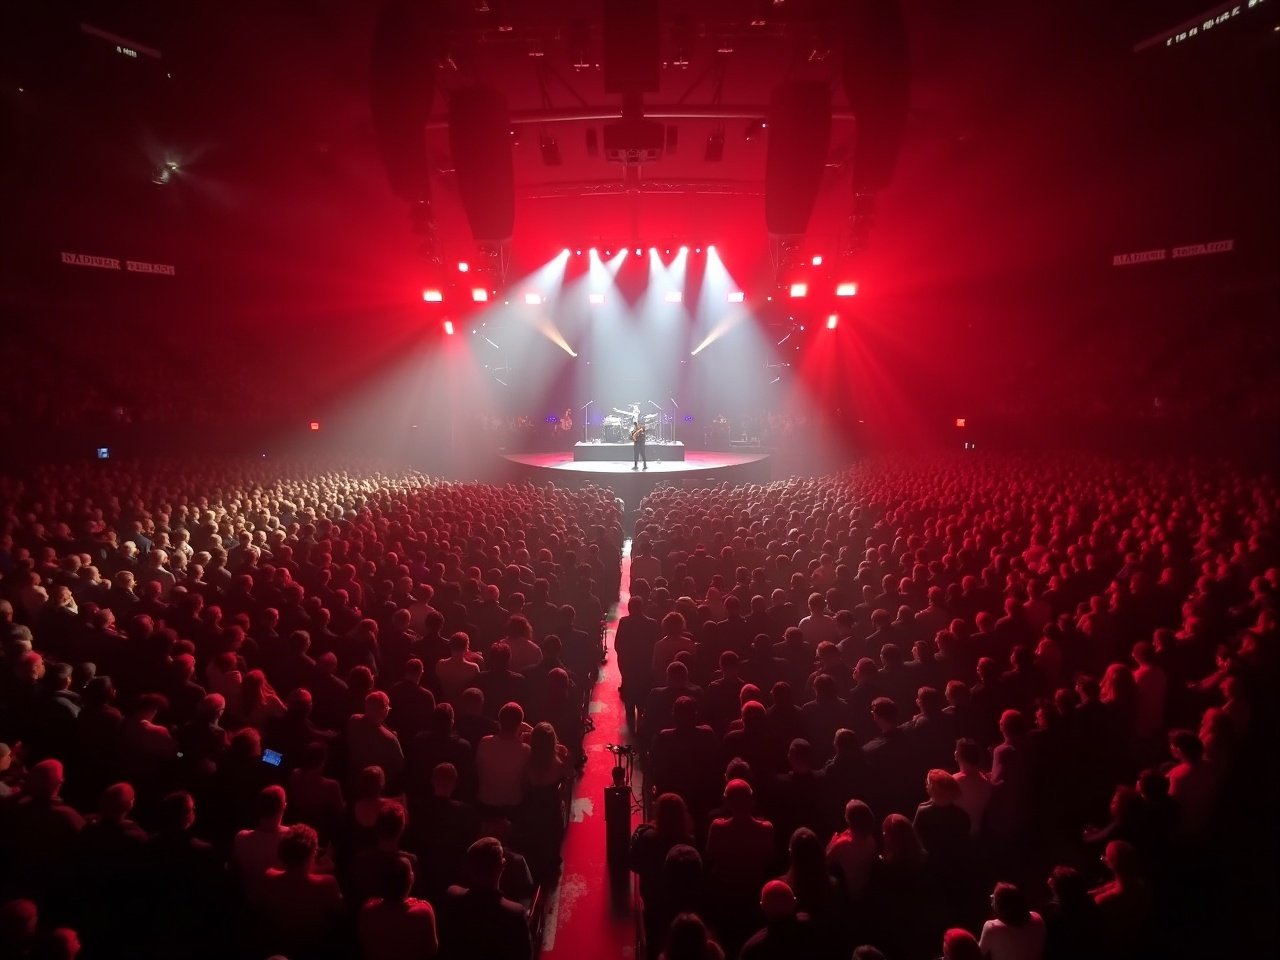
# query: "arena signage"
[[115, 263], [1177, 253], [1144, 256], [88, 260]]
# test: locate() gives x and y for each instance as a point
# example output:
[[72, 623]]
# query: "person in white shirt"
[[818, 626], [458, 671], [1017, 932], [854, 849], [501, 762], [254, 852], [975, 786]]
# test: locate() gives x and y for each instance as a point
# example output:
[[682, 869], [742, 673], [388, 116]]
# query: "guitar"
[[638, 432], [566, 422]]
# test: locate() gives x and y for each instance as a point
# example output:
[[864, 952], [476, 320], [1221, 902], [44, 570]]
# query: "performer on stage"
[[637, 434]]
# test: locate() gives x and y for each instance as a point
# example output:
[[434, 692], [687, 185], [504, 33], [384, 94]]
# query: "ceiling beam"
[[670, 112]]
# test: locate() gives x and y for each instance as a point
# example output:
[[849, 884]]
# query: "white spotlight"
[[533, 299], [674, 296]]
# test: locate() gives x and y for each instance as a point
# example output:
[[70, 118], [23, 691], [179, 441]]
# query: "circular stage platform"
[[632, 485], [695, 463]]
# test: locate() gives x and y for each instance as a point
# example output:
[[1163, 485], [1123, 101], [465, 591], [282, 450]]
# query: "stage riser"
[[625, 452]]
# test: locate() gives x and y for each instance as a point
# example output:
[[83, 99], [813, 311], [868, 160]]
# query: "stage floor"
[[695, 463], [618, 452]]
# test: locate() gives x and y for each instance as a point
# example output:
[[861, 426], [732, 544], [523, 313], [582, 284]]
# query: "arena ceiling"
[[1022, 117]]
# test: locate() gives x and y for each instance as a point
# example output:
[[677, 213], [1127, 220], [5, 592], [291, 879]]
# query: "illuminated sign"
[[1177, 253], [88, 260], [115, 263], [1198, 26]]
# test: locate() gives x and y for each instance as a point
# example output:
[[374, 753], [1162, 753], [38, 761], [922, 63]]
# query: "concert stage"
[[698, 466], [620, 452]]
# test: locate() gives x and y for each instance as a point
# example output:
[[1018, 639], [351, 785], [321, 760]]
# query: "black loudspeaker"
[[799, 137], [632, 49], [617, 824], [480, 138], [877, 82], [401, 89]]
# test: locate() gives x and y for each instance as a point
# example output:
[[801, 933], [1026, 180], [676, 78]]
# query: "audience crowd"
[[1011, 709], [999, 708], [253, 710]]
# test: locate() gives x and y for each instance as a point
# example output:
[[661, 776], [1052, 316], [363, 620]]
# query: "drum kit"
[[618, 429]]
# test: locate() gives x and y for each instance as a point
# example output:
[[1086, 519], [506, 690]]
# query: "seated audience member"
[[1072, 920], [257, 850], [960, 944], [442, 827], [1016, 932], [186, 884], [501, 762], [689, 939], [412, 702], [371, 744], [671, 827], [299, 910], [786, 934], [459, 670], [975, 785], [1124, 904], [477, 922], [942, 825], [685, 758], [394, 925], [740, 847], [499, 683]]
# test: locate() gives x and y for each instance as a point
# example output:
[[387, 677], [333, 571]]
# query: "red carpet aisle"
[[582, 923]]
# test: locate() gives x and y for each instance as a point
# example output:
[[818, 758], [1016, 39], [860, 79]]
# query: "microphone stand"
[[585, 419], [659, 409], [660, 440], [675, 412]]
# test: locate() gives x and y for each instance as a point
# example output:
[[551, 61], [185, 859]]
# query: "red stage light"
[[847, 290], [799, 290], [833, 321], [596, 298], [735, 296], [315, 424], [448, 327], [432, 296], [960, 421], [533, 299], [463, 266], [816, 261], [479, 294]]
